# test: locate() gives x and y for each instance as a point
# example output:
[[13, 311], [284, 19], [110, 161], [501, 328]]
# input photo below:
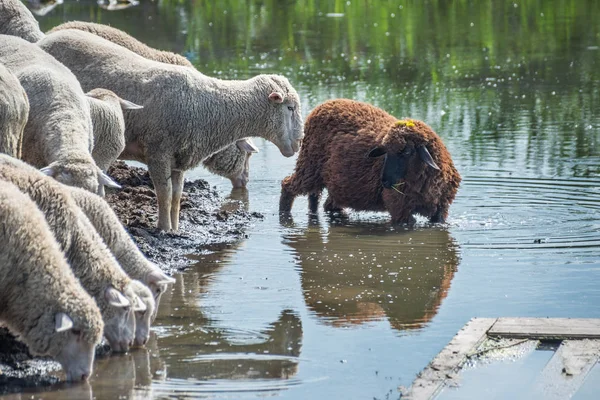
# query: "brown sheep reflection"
[[355, 274]]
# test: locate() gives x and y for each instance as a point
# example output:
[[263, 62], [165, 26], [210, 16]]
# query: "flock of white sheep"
[[71, 102]]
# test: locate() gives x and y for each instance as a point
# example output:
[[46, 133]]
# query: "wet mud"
[[206, 220]]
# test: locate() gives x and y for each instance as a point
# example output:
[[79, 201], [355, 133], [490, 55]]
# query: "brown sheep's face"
[[396, 164]]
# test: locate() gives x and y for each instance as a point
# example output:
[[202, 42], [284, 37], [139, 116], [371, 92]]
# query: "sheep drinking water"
[[370, 161]]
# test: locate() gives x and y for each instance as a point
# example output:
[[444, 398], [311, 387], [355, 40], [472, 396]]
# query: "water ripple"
[[527, 213]]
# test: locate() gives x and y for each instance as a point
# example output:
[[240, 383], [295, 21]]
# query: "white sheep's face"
[[76, 355], [119, 319], [80, 174], [157, 282], [240, 178], [288, 128], [143, 313]]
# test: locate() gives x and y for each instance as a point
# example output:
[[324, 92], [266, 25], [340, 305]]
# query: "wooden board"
[[447, 363], [563, 375], [547, 328], [565, 372]]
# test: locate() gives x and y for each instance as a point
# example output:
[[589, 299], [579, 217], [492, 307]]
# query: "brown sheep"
[[341, 151]]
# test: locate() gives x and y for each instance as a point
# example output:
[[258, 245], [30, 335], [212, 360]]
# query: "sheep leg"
[[313, 201], [177, 182], [440, 215], [329, 206], [160, 172], [286, 200]]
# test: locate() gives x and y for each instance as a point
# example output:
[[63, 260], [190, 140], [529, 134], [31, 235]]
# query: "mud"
[[206, 220]]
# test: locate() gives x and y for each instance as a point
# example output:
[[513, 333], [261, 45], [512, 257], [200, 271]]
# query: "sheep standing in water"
[[233, 162], [370, 161], [14, 109], [187, 116], [41, 301]]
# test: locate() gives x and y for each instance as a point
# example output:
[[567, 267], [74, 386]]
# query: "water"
[[321, 308]]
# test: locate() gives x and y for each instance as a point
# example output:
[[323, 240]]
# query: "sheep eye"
[[76, 332], [290, 108]]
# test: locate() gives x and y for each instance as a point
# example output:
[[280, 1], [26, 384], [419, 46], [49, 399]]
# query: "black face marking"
[[394, 169]]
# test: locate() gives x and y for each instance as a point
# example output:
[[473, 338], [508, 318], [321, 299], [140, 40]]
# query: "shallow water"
[[321, 308]]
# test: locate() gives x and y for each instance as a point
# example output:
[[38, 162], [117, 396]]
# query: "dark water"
[[351, 309]]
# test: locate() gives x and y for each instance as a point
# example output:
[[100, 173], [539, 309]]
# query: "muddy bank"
[[206, 220], [18, 370]]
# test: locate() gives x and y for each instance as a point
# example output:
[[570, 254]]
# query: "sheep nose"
[[144, 341], [122, 346], [84, 377]]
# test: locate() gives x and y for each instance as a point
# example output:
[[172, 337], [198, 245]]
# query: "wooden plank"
[[566, 371], [447, 363], [547, 328]]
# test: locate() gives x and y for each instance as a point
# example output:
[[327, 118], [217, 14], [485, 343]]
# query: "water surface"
[[322, 308]]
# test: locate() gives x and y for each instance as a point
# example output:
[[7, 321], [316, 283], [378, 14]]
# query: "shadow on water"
[[354, 273]]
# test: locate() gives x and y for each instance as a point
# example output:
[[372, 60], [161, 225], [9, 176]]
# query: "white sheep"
[[106, 110], [41, 301], [17, 20], [89, 258], [233, 162], [14, 109], [187, 116], [131, 259], [121, 38], [58, 134]]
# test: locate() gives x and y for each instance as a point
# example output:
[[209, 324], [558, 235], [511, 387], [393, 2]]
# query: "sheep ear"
[[47, 171], [62, 322], [376, 152], [247, 146], [276, 97], [159, 278], [106, 180], [128, 105], [426, 157], [139, 305], [115, 298]]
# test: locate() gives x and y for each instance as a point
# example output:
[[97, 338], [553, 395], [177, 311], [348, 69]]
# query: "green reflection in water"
[[519, 84]]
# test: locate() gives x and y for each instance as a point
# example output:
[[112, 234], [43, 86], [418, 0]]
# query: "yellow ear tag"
[[406, 122]]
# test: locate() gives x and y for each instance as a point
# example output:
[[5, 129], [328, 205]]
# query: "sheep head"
[[143, 313], [405, 150], [284, 124], [70, 337], [119, 318], [79, 173], [240, 178], [157, 281]]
